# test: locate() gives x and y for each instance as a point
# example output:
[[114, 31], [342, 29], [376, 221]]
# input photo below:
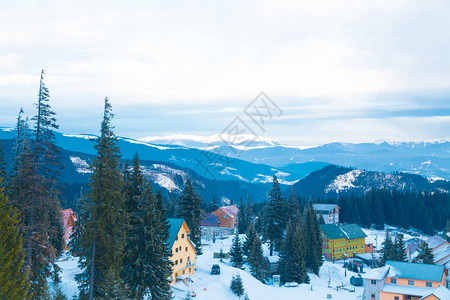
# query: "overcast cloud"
[[344, 70]]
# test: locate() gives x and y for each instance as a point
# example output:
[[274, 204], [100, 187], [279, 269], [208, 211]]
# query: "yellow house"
[[182, 250], [342, 241]]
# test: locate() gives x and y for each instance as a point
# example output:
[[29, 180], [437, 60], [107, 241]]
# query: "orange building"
[[69, 219], [227, 216], [182, 250], [404, 281]]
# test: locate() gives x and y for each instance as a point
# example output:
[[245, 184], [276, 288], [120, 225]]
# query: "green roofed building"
[[341, 241]]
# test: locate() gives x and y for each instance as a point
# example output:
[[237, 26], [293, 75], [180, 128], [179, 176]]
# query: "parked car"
[[215, 270], [356, 280]]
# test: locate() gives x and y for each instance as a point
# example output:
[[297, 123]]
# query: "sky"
[[350, 71]]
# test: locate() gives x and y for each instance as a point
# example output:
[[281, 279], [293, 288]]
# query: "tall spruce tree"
[[146, 264], [295, 213], [3, 172], [400, 248], [275, 217], [292, 256], [102, 236], [34, 191], [425, 254], [313, 238], [388, 248], [258, 264], [189, 209], [14, 282], [249, 238], [236, 253], [242, 218]]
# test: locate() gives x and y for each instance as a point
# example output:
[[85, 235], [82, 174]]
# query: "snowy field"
[[216, 287]]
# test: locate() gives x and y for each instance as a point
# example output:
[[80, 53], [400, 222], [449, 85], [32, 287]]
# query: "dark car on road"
[[356, 281], [215, 270]]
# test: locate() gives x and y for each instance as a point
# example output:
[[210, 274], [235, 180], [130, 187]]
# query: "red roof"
[[231, 210]]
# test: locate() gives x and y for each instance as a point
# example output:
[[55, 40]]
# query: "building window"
[[335, 243], [176, 274], [410, 282], [182, 235], [183, 272], [226, 216], [372, 296], [373, 282], [394, 280], [181, 260], [176, 238], [342, 243], [396, 298], [176, 262], [189, 258], [429, 284], [176, 250], [189, 270], [186, 249]]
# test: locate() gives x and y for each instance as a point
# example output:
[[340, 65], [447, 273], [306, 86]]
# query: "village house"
[[69, 218], [342, 241], [227, 216], [329, 212], [182, 250], [405, 281], [221, 223]]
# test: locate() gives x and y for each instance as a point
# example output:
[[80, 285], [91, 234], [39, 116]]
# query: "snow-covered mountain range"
[[430, 159], [233, 170]]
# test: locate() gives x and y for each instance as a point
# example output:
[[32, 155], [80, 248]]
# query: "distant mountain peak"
[[197, 141]]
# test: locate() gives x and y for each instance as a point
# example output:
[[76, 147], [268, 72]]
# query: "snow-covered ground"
[[217, 287], [207, 286]]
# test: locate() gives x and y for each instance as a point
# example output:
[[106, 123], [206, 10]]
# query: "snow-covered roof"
[[442, 293], [324, 207], [442, 257], [407, 290], [376, 274], [231, 210], [435, 241], [415, 271]]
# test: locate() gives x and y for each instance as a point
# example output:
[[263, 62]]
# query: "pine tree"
[[34, 191], [214, 205], [236, 253], [258, 264], [313, 238], [2, 167], [388, 248], [425, 255], [400, 248], [102, 235], [237, 286], [249, 208], [292, 256], [295, 213], [146, 262], [242, 218], [249, 238], [14, 282], [189, 209], [275, 217]]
